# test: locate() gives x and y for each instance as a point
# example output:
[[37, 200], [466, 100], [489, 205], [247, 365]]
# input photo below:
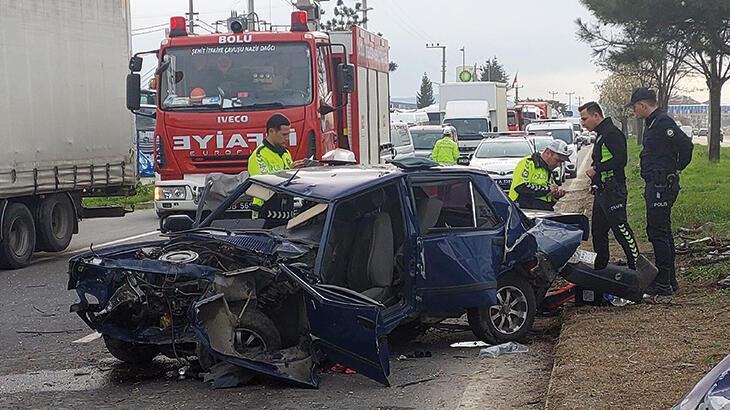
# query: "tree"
[[493, 70], [612, 97], [702, 28], [633, 51], [424, 97], [345, 17]]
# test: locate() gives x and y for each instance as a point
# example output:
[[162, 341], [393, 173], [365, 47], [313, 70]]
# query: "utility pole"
[[443, 59], [365, 10], [463, 57], [580, 101], [251, 20], [191, 18], [570, 100], [517, 93], [553, 94]]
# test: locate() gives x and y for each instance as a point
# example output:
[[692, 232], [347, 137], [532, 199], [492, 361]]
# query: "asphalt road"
[[51, 359]]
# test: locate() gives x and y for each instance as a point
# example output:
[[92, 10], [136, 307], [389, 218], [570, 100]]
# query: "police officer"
[[533, 184], [271, 157], [608, 181], [446, 150], [667, 150]]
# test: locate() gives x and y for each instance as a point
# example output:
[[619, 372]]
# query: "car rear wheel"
[[513, 315], [128, 352]]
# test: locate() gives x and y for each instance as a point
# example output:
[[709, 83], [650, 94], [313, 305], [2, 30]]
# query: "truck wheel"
[[18, 242], [128, 352], [513, 315], [55, 225]]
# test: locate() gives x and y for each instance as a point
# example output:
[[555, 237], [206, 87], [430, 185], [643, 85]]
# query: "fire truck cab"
[[215, 93]]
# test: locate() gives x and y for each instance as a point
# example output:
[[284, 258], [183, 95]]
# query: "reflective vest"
[[268, 159], [534, 177], [445, 151]]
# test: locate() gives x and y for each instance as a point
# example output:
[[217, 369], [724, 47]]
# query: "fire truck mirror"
[[133, 91], [135, 64], [346, 78], [325, 108]]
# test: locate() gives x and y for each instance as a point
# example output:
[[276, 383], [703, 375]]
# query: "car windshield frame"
[[480, 151], [243, 100], [416, 136], [566, 134]]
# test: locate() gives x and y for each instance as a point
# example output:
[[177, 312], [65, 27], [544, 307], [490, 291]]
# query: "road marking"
[[88, 338]]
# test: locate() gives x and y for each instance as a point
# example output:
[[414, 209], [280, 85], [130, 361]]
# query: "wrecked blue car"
[[367, 253]]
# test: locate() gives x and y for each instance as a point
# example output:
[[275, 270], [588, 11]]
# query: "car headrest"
[[428, 210]]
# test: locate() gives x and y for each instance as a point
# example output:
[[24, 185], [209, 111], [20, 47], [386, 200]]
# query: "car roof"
[[427, 128], [549, 125], [336, 182]]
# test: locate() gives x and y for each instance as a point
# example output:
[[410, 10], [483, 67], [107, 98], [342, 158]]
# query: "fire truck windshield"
[[255, 76]]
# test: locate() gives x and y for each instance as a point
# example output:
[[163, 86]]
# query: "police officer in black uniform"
[[667, 150], [608, 183]]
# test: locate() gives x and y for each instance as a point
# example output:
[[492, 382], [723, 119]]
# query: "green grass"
[[144, 196], [705, 194]]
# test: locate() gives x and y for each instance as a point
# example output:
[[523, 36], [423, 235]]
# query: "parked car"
[[710, 393], [539, 143], [499, 157], [425, 137], [703, 132], [563, 130], [402, 142], [367, 252]]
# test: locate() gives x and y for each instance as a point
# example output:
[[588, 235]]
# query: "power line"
[[149, 32], [149, 27]]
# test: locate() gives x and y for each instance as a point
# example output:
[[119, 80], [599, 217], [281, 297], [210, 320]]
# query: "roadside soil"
[[640, 356]]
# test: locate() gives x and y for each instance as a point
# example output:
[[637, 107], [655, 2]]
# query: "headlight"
[[169, 193]]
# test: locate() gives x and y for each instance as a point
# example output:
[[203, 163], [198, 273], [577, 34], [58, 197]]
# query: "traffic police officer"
[[533, 184], [271, 157], [446, 150], [667, 150], [608, 182]]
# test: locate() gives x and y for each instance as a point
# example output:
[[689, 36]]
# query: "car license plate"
[[240, 206], [583, 256]]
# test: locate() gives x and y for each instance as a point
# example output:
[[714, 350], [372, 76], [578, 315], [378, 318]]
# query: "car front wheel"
[[513, 315], [128, 352]]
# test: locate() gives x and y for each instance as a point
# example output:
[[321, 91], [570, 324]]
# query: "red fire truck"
[[216, 92]]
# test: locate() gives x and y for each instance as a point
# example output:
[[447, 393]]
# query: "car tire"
[[478, 327], [55, 225], [128, 352], [19, 237], [515, 293], [256, 330]]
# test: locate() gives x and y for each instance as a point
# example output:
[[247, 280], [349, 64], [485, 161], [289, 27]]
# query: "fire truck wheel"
[[55, 225], [18, 242]]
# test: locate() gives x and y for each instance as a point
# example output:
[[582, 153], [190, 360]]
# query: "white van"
[[562, 130], [402, 141]]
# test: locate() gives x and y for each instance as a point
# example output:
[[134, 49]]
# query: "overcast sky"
[[534, 38]]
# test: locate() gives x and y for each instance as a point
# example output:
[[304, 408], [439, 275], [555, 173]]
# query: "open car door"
[[347, 327]]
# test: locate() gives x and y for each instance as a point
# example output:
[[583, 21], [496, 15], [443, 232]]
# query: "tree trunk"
[[715, 118]]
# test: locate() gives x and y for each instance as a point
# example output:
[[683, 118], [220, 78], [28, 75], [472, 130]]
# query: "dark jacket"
[[667, 149], [609, 153]]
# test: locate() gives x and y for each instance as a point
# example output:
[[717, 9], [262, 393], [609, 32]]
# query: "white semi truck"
[[66, 133], [474, 109]]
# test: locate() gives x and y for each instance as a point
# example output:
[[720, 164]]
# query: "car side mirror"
[[133, 91], [178, 223], [135, 64], [345, 78]]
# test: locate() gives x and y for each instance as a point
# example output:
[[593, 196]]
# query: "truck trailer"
[[65, 130]]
